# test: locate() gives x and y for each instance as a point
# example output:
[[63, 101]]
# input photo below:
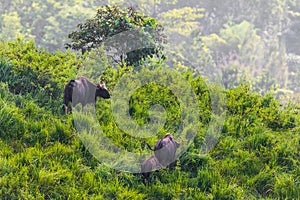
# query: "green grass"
[[42, 156]]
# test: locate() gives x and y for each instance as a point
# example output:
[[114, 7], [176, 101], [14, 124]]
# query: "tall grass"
[[42, 156]]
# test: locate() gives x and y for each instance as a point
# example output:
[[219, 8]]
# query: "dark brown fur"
[[82, 91], [149, 165], [165, 150]]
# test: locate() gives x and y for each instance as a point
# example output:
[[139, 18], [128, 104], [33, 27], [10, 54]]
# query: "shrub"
[[29, 70]]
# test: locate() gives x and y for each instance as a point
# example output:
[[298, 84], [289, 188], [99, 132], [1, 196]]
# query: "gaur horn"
[[102, 83]]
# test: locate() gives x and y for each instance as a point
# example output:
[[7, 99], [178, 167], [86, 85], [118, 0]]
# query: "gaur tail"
[[68, 91], [68, 95], [149, 146]]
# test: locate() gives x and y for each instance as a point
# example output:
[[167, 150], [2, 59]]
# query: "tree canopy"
[[130, 35]]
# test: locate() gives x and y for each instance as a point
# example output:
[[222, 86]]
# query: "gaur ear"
[[159, 145], [103, 84]]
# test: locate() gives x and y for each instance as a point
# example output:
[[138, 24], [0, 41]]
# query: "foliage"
[[11, 26], [42, 157], [272, 23], [257, 154], [183, 21], [118, 29], [47, 22], [31, 71]]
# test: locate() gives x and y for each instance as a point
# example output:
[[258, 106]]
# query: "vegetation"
[[125, 27], [257, 155], [257, 146], [254, 41]]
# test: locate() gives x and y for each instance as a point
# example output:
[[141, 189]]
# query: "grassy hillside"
[[42, 157]]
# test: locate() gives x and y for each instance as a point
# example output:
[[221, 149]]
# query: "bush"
[[33, 71]]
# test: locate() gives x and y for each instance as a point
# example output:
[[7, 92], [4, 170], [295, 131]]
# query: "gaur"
[[82, 91]]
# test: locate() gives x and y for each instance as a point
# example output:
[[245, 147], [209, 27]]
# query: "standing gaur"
[[164, 154], [82, 91]]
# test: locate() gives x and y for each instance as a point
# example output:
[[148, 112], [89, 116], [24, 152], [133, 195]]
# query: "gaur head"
[[102, 91], [165, 149]]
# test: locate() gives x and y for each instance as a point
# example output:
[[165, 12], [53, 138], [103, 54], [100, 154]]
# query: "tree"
[[185, 45], [128, 35], [11, 26], [47, 22], [61, 22]]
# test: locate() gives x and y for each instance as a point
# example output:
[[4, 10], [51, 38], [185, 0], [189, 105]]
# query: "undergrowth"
[[42, 157]]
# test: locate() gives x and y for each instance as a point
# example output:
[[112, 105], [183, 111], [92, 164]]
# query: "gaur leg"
[[65, 108], [173, 165], [145, 177]]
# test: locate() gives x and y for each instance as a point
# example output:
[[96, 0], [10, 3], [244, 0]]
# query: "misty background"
[[235, 40]]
